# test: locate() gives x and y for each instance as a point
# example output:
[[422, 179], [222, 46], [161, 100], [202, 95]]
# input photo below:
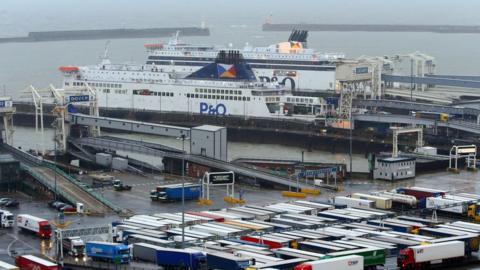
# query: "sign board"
[[221, 178], [82, 98], [322, 171], [469, 150], [361, 70], [5, 103]]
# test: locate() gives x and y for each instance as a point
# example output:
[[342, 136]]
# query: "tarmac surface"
[[13, 242]]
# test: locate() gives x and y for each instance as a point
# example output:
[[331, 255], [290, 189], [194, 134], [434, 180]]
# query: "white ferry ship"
[[226, 86], [291, 63]]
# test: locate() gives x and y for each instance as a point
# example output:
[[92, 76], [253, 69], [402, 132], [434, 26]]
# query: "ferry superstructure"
[[224, 87], [291, 63]]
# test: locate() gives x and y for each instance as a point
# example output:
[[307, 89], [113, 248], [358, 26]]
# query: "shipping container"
[[380, 202], [30, 262], [103, 159], [119, 163], [352, 262], [399, 199], [352, 202]]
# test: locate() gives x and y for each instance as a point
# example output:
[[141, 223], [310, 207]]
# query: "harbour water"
[[23, 138]]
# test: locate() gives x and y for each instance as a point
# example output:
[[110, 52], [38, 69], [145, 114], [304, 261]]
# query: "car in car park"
[[3, 201], [12, 204]]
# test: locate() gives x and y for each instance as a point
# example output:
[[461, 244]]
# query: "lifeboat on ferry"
[[68, 69], [154, 46]]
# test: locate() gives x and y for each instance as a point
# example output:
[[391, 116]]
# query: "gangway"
[[443, 81], [66, 186], [466, 126], [416, 106], [128, 125]]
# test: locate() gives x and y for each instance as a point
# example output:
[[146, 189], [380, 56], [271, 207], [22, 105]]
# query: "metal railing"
[[74, 181], [42, 179]]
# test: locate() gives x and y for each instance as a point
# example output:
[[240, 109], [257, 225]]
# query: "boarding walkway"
[[66, 186]]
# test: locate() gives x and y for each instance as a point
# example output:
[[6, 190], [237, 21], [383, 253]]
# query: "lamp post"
[[183, 138]]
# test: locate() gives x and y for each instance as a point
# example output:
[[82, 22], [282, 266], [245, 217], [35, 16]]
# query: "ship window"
[[171, 94], [196, 95], [239, 92], [188, 95], [222, 97], [235, 98], [163, 94], [209, 91], [222, 91], [244, 98], [209, 96], [248, 98], [231, 92]]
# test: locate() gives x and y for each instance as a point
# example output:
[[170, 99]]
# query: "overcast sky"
[[38, 14]]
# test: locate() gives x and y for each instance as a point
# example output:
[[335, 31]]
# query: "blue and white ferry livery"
[[290, 62], [227, 86]]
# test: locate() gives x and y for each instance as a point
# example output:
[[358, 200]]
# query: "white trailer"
[[439, 202], [434, 252], [398, 198], [39, 226], [352, 202], [6, 266], [352, 262], [380, 202]]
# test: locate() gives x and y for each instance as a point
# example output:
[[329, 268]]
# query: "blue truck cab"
[[106, 251]]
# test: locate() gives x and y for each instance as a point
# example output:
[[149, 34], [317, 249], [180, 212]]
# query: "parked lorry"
[[74, 246], [30, 262], [421, 193], [352, 262], [185, 258], [6, 219], [41, 227], [106, 251], [352, 202], [118, 185], [226, 261], [167, 193], [421, 256], [7, 266]]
